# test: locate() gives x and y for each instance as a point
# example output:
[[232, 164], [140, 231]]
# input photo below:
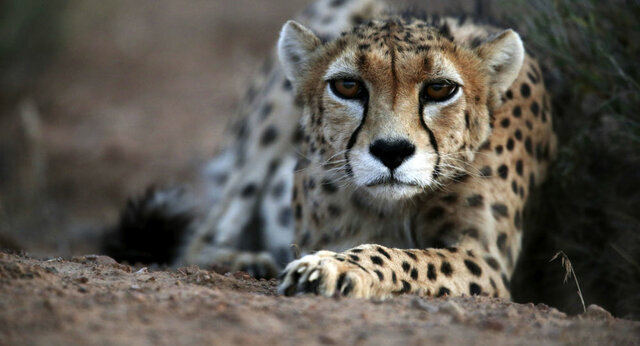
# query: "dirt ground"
[[139, 94], [94, 300]]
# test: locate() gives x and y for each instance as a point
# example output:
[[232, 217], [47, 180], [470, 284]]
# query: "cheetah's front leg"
[[373, 271]]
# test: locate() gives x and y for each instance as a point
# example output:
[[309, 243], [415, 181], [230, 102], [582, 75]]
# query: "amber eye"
[[347, 88], [439, 91]]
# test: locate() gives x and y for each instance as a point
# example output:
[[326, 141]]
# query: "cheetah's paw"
[[325, 273]]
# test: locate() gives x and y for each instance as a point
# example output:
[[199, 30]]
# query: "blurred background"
[[100, 99]]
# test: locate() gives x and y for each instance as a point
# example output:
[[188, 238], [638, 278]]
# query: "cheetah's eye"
[[347, 88], [439, 92]]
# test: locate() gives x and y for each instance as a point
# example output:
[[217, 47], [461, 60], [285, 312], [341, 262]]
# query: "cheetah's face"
[[397, 108]]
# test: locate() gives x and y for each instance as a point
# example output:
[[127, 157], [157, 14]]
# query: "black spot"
[[357, 20], [278, 190], [525, 90], [545, 152], [485, 171], [446, 269], [294, 57], [269, 135], [517, 111], [364, 46], [297, 136], [287, 85], [532, 181], [311, 184], [284, 217], [503, 171], [444, 231], [376, 260], [486, 145], [535, 108], [328, 186], [528, 124], [514, 187], [528, 146], [510, 144], [466, 119], [544, 116], [354, 257], [475, 200], [435, 213], [406, 266], [493, 283], [249, 190], [519, 167], [380, 275], [492, 262], [298, 211], [471, 232], [499, 149], [518, 134], [431, 272], [509, 94], [474, 289], [384, 253], [452, 249], [517, 220], [505, 281], [505, 122], [356, 250], [460, 177], [470, 253], [502, 242], [266, 110], [414, 274], [334, 210], [473, 267], [411, 255], [443, 291], [406, 287], [499, 210], [220, 179], [393, 277], [450, 198], [539, 151]]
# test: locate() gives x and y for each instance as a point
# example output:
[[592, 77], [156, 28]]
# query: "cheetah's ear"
[[295, 45], [504, 54]]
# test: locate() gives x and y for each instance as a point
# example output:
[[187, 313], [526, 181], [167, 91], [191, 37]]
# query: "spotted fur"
[[306, 167]]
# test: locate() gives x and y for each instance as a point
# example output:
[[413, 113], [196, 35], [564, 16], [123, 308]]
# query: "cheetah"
[[397, 153]]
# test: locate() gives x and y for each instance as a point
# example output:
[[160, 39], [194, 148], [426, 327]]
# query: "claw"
[[346, 289], [314, 275], [340, 282]]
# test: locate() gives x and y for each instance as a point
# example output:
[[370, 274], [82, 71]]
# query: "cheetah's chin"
[[393, 191]]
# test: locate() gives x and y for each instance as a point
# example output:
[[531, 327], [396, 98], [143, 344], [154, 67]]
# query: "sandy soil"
[[94, 300], [138, 95]]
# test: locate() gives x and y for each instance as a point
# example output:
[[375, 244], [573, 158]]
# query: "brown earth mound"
[[95, 300]]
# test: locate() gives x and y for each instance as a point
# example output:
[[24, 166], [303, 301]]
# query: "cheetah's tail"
[[152, 228]]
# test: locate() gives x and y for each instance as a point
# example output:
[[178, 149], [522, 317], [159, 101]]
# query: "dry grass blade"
[[568, 268]]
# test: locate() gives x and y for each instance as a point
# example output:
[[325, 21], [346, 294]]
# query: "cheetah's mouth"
[[389, 181]]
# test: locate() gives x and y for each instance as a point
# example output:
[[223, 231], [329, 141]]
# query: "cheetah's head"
[[397, 108]]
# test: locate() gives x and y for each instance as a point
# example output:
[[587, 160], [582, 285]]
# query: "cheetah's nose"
[[392, 152]]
